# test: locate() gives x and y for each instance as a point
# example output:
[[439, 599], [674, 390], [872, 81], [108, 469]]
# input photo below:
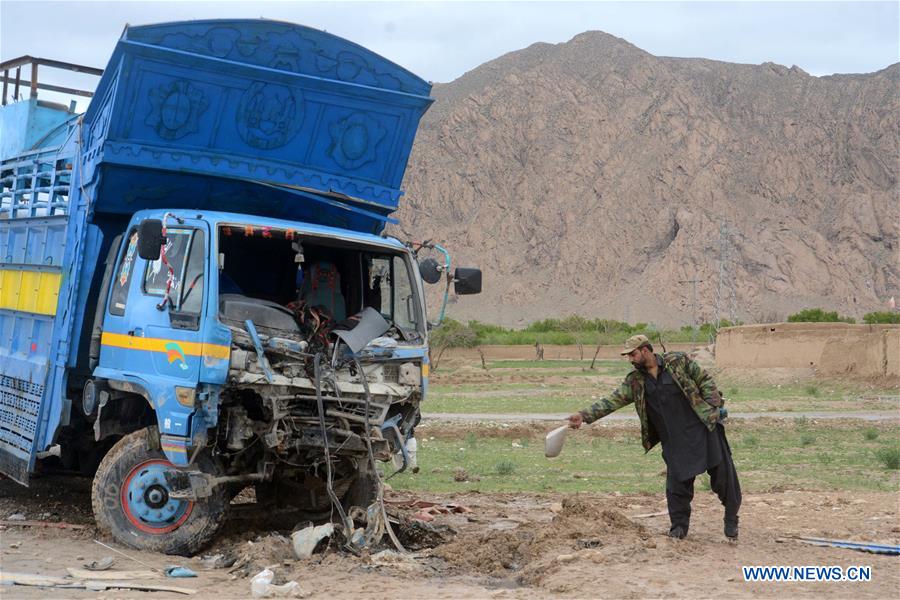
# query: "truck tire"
[[364, 488], [131, 502]]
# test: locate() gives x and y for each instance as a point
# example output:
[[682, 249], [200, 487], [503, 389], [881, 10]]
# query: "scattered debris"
[[100, 565], [888, 549], [140, 562], [398, 560], [427, 510], [217, 561], [661, 513], [304, 542], [117, 575], [16, 522], [177, 571], [96, 585], [261, 587], [424, 504]]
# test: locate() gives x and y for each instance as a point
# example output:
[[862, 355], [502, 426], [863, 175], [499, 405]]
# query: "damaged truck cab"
[[197, 294]]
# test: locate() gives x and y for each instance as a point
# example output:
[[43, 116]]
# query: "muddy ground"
[[508, 546]]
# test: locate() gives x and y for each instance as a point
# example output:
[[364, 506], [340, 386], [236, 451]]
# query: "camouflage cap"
[[635, 342]]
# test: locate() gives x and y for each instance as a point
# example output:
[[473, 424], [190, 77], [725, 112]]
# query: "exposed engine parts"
[[308, 402]]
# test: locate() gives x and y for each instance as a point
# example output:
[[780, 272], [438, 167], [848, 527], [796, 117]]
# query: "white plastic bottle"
[[411, 447]]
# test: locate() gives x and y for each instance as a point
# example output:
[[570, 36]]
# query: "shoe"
[[731, 530], [679, 532]]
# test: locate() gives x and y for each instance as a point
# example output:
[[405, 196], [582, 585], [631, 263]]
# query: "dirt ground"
[[508, 546]]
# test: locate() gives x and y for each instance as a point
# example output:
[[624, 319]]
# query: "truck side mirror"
[[430, 270], [467, 281], [150, 239]]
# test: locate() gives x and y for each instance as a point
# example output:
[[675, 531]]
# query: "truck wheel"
[[364, 489], [132, 504]]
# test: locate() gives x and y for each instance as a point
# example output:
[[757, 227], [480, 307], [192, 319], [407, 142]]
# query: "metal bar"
[[5, 84], [18, 78], [28, 267], [16, 62], [58, 64], [58, 88], [34, 73], [260, 353]]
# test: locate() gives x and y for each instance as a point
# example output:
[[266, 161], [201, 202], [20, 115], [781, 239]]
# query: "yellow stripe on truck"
[[130, 342], [29, 291]]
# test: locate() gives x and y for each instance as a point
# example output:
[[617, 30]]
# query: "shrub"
[[817, 315], [875, 318], [825, 458], [453, 334], [812, 390], [471, 439], [505, 467], [807, 439], [889, 457], [751, 440], [870, 433]]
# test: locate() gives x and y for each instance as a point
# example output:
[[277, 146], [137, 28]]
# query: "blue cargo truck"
[[196, 293]]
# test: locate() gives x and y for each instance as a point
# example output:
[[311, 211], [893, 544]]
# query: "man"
[[678, 404]]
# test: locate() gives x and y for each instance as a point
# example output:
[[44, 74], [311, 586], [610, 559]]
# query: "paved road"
[[488, 417]]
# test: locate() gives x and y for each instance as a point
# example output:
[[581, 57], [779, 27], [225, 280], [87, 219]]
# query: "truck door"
[[152, 331]]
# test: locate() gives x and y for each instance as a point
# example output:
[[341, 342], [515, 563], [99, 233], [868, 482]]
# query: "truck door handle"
[[136, 332]]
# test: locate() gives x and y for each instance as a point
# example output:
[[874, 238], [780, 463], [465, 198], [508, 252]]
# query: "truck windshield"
[[336, 278], [185, 251], [391, 276]]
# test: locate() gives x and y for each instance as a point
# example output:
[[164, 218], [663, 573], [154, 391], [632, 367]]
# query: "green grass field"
[[795, 455], [558, 386]]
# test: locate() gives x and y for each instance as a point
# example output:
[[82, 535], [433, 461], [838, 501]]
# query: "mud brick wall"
[[829, 348]]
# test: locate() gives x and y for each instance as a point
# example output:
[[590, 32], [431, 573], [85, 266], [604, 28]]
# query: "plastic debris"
[[217, 561], [16, 517], [177, 571], [888, 549], [305, 540], [261, 587], [100, 565]]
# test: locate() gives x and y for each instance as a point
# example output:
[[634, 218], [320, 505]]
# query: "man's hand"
[[576, 420]]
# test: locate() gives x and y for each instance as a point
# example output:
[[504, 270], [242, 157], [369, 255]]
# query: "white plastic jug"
[[554, 441]]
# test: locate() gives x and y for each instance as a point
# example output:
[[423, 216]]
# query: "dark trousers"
[[723, 480]]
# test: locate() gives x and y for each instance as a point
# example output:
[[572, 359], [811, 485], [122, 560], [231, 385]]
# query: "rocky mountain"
[[593, 178]]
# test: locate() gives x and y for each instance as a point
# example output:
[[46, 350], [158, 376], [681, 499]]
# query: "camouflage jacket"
[[695, 383]]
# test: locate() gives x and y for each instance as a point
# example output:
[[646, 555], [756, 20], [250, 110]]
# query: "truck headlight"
[[185, 396]]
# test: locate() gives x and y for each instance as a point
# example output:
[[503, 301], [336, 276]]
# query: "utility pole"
[[693, 283], [726, 280]]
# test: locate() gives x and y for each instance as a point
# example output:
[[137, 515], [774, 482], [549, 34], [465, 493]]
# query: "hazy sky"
[[440, 41]]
